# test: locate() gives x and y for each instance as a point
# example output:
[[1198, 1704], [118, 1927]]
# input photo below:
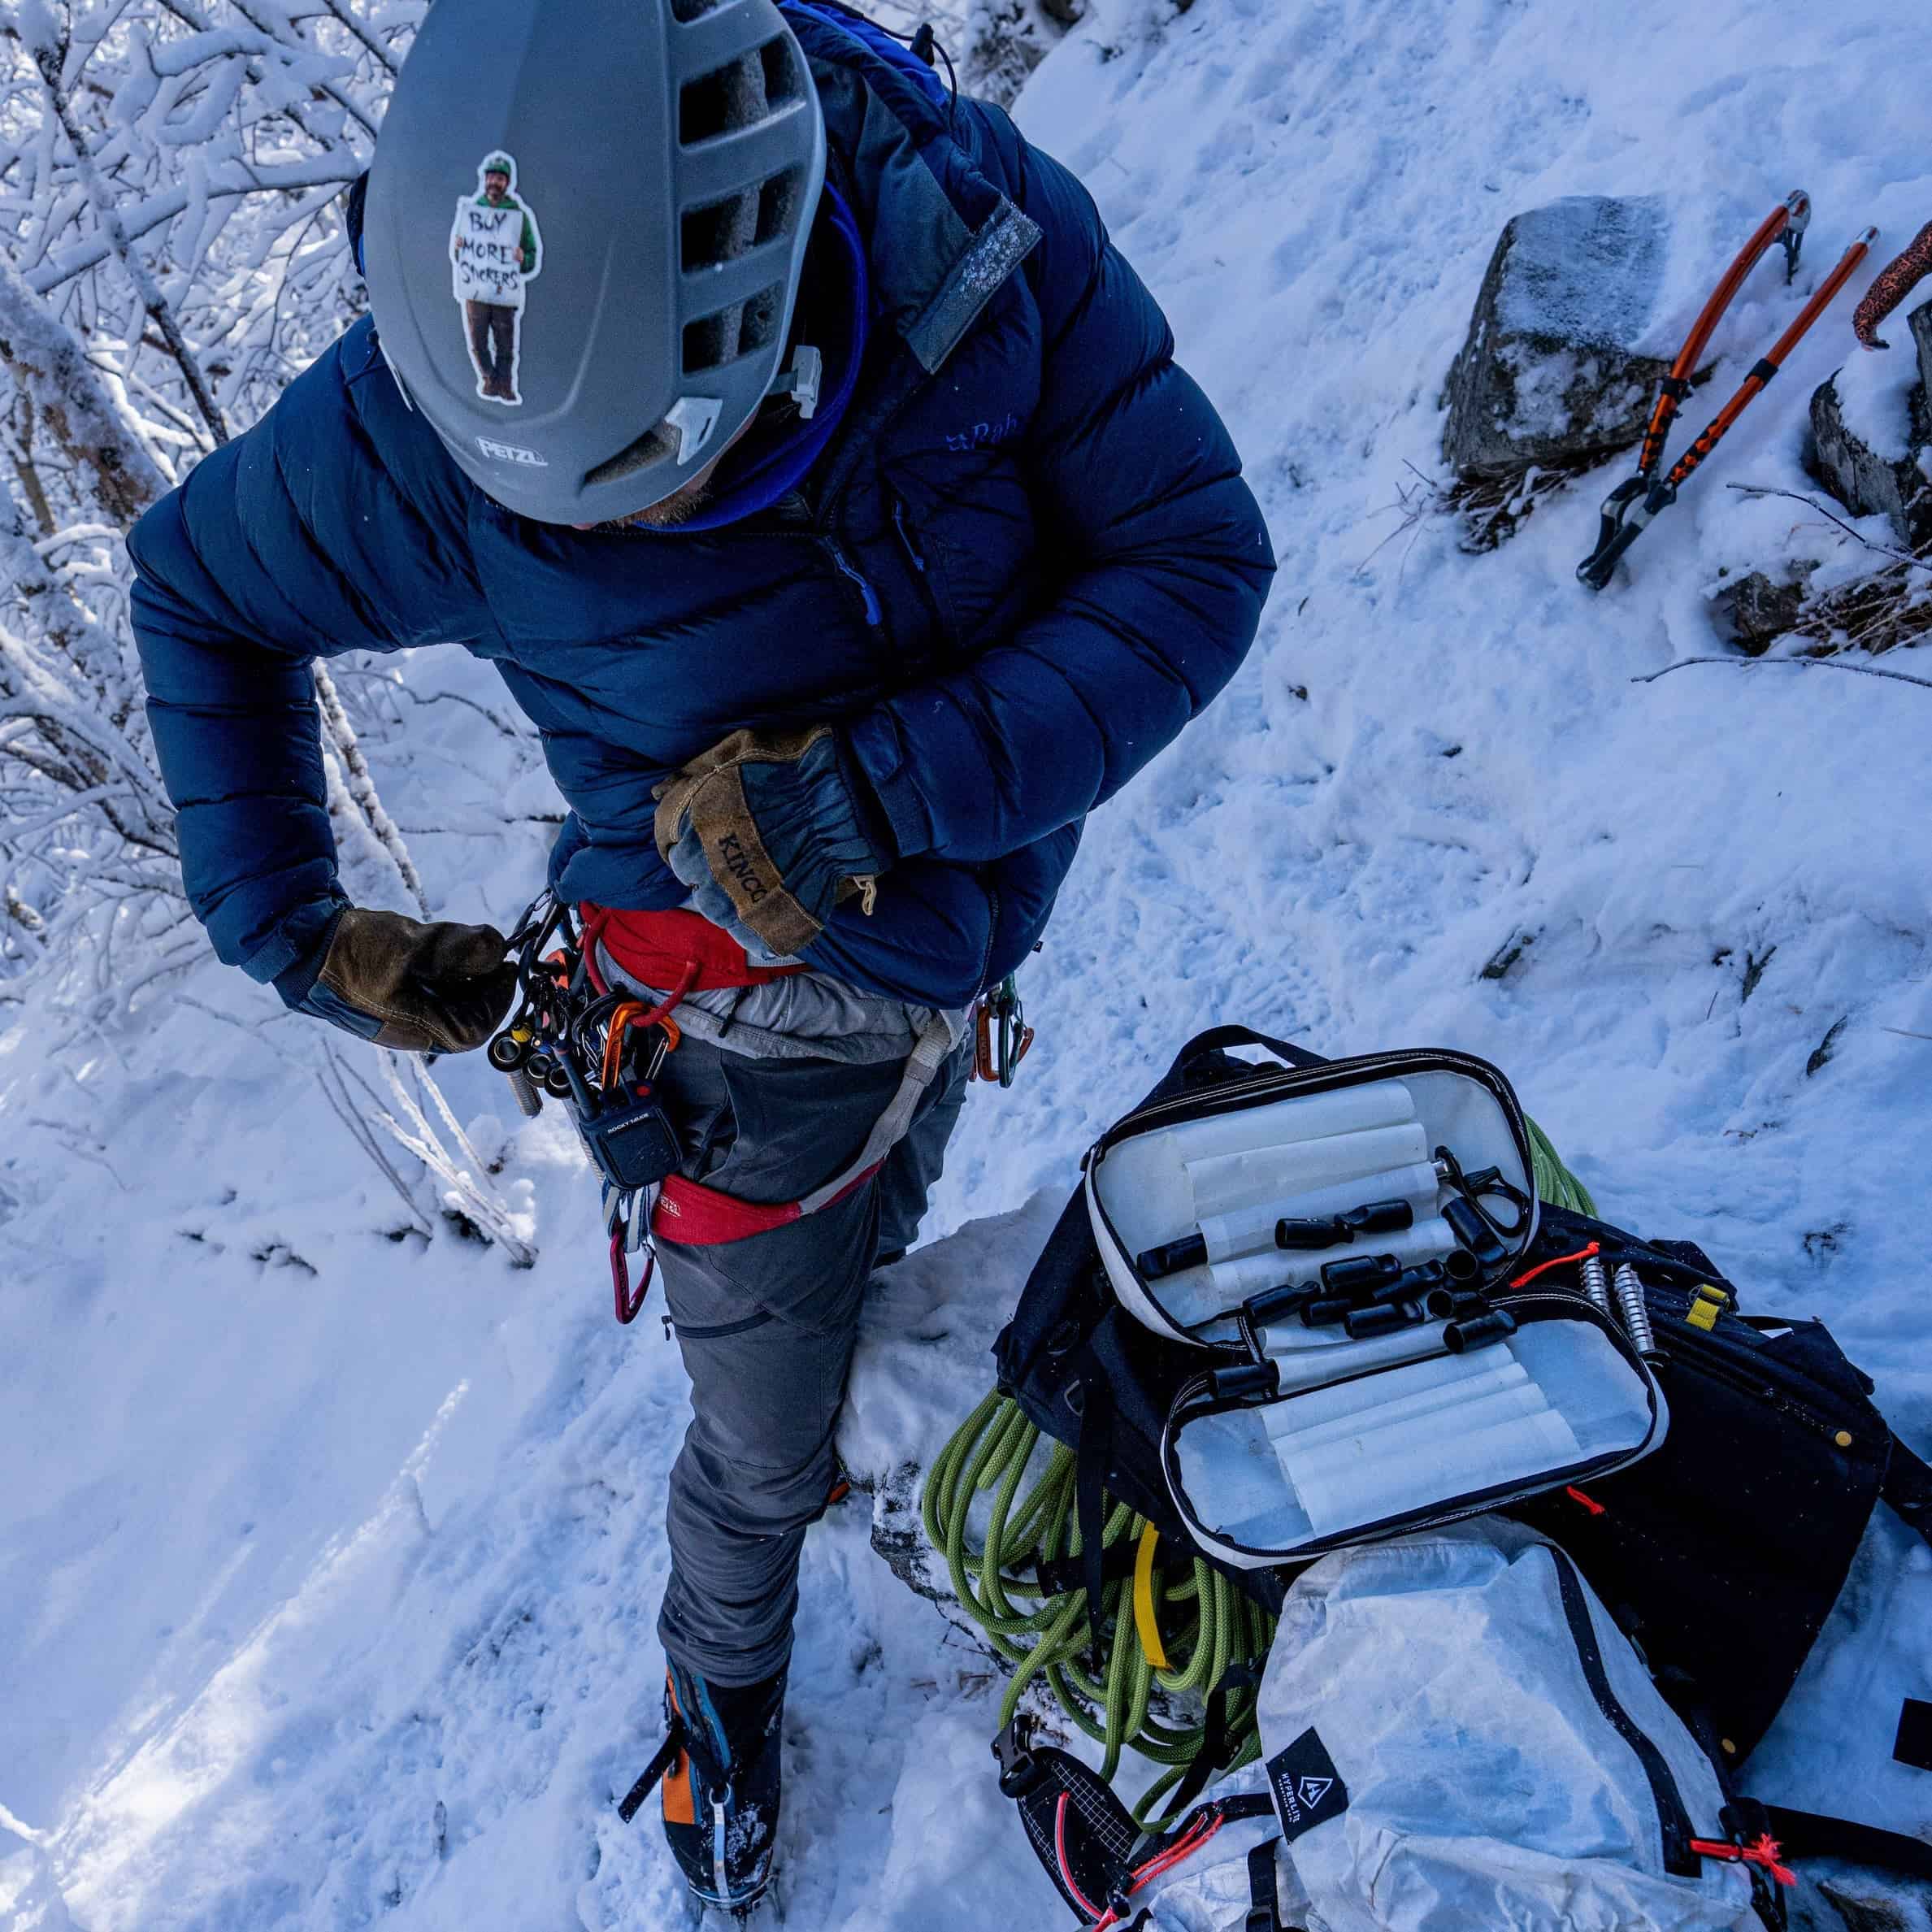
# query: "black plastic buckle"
[[1013, 1748]]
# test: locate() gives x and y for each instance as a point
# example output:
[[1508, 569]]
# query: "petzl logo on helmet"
[[512, 453], [495, 252]]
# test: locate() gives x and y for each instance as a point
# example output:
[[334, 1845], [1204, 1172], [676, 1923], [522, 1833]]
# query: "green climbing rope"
[[1554, 1182], [1205, 1622]]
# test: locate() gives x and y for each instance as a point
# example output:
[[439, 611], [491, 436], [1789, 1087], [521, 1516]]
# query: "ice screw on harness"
[[1637, 502]]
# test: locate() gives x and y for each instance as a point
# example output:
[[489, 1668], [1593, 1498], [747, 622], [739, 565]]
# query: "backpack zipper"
[[1673, 1822], [1281, 1084], [1498, 1497]]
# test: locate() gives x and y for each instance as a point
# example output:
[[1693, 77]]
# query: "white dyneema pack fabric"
[[1439, 1754]]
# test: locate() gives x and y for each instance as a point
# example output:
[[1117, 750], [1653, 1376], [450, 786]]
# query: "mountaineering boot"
[[721, 1791]]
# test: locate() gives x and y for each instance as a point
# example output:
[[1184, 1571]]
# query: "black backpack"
[[1723, 1553], [1086, 1373]]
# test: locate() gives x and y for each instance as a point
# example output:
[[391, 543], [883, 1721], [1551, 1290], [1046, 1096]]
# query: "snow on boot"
[[719, 1765]]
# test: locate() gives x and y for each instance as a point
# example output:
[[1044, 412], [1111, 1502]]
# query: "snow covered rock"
[[1553, 373], [1754, 611], [1872, 424]]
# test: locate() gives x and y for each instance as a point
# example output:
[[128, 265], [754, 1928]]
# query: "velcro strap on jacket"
[[693, 1215]]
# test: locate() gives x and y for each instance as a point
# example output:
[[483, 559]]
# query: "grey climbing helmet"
[[585, 226]]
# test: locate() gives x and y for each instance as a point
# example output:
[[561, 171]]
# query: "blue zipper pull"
[[874, 614], [912, 550]]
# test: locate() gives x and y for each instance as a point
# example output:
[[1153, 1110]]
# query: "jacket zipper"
[[992, 931], [1674, 1820], [911, 548], [846, 568]]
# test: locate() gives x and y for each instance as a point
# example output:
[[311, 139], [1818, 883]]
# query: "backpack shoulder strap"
[[1806, 1835], [1907, 1488]]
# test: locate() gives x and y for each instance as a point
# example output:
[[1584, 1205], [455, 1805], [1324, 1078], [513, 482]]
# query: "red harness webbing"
[[661, 948], [686, 952]]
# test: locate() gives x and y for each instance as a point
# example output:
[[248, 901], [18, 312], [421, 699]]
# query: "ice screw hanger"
[[1636, 503]]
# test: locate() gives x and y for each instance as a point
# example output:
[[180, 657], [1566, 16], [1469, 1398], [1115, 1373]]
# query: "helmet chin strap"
[[801, 381]]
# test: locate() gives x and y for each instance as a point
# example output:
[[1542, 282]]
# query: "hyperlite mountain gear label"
[[495, 252], [1307, 1789]]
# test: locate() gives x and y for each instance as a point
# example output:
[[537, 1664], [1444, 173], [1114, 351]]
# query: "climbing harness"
[[1170, 1623], [1637, 501], [600, 1050], [1001, 1034]]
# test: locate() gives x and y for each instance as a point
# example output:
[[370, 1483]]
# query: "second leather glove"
[[779, 826], [421, 989]]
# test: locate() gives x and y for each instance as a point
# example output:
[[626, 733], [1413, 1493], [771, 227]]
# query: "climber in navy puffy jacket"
[[1023, 561], [830, 499]]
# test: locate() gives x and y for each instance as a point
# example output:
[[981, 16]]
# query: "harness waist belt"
[[663, 948], [695, 1215]]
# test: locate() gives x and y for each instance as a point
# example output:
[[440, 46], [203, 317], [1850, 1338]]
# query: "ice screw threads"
[[1636, 1315], [1596, 1283]]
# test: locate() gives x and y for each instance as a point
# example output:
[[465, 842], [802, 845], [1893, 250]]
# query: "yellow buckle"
[[1707, 1304]]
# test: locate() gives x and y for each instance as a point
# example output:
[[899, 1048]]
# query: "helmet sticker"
[[496, 252]]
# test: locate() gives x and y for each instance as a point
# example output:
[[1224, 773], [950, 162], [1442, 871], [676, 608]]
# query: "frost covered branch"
[[1865, 671]]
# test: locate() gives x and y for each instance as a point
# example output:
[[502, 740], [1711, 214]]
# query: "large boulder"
[[1872, 427], [1558, 370]]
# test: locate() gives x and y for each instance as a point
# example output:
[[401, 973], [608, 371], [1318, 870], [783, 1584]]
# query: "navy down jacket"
[[1025, 562]]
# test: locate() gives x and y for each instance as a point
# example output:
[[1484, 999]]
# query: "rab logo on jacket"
[[495, 253], [982, 435], [1307, 1789]]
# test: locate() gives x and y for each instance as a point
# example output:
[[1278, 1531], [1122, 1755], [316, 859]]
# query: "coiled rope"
[[1204, 1623]]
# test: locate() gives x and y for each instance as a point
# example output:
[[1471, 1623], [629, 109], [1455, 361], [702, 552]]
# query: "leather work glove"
[[770, 829], [421, 989]]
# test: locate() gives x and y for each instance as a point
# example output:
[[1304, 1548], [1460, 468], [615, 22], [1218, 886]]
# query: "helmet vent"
[[685, 12], [732, 332], [739, 94], [721, 231], [654, 446]]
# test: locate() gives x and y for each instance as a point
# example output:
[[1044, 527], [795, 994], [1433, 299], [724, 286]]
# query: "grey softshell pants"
[[768, 1327]]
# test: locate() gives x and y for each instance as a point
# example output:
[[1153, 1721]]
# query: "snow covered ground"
[[329, 1546]]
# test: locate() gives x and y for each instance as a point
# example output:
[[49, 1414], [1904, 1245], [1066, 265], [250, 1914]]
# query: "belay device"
[[1637, 502], [599, 1051]]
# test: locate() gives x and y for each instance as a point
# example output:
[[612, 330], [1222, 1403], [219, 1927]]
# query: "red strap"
[[1763, 1851], [695, 1215], [660, 948], [1582, 1254]]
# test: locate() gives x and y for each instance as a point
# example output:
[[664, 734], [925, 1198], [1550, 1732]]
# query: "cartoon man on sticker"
[[495, 250]]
